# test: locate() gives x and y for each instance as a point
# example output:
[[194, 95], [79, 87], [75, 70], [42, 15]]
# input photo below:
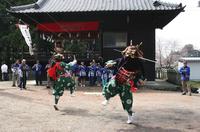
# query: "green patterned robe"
[[64, 80], [112, 88]]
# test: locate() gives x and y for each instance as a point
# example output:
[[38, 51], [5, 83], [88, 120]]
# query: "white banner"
[[26, 34]]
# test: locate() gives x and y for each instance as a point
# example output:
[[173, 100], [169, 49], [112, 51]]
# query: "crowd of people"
[[93, 74], [96, 74], [21, 72]]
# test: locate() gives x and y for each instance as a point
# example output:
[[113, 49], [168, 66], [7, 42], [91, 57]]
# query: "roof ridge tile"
[[94, 5]]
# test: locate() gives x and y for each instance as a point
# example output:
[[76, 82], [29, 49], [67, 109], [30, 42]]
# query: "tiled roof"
[[94, 6], [189, 59]]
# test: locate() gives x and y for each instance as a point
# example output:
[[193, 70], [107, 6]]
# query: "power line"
[[51, 17], [56, 22], [28, 15]]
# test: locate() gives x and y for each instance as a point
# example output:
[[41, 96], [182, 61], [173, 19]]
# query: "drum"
[[123, 75]]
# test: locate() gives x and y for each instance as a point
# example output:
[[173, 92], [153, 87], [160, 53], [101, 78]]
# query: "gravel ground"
[[31, 110]]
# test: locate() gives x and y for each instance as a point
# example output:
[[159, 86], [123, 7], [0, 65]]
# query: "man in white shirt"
[[4, 71], [15, 75]]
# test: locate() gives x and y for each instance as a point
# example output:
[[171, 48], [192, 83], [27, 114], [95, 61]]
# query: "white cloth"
[[20, 73], [26, 34], [4, 68], [72, 62]]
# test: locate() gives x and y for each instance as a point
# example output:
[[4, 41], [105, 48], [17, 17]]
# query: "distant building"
[[194, 64], [193, 53]]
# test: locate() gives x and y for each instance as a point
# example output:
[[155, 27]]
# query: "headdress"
[[133, 51], [58, 57], [110, 62], [58, 46], [23, 60]]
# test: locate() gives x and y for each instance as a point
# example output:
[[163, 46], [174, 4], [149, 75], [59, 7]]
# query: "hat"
[[58, 57], [132, 51], [23, 60], [110, 62]]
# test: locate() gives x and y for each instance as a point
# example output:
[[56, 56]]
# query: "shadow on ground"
[[140, 128], [75, 112], [5, 94]]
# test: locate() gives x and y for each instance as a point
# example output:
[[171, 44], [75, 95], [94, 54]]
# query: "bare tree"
[[172, 49], [167, 52], [159, 51], [186, 49]]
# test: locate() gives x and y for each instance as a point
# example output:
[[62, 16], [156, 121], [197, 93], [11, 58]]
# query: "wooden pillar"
[[101, 39], [147, 37]]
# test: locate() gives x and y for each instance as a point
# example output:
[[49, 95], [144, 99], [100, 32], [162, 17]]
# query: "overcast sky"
[[185, 28]]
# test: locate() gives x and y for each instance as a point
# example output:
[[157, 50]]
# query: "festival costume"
[[104, 76], [98, 75], [91, 74], [122, 83], [82, 74], [59, 72]]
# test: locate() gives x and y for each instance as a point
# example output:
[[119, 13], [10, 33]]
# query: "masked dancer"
[[122, 83], [59, 73]]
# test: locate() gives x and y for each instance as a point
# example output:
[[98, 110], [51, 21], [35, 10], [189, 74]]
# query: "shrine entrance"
[[78, 38]]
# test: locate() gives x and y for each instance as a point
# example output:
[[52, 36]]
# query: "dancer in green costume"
[[59, 72], [122, 83]]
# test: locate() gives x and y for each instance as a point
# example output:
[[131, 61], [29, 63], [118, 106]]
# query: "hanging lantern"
[[77, 35], [131, 42], [43, 36], [48, 38], [51, 37], [89, 35], [70, 35]]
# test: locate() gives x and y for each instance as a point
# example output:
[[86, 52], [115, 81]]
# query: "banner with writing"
[[26, 34]]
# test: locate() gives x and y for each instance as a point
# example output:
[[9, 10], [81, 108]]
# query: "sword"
[[142, 58]]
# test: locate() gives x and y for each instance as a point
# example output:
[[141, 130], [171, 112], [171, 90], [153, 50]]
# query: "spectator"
[[185, 77], [91, 74], [104, 76], [98, 74], [48, 78], [75, 73], [82, 74], [23, 73], [4, 71], [15, 75], [37, 68]]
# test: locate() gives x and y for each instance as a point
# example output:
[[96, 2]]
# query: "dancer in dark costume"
[[122, 83]]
